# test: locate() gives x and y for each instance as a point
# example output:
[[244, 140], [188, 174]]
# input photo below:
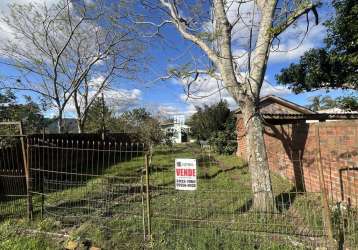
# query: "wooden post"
[[146, 164], [25, 155], [103, 117], [143, 206], [42, 179], [324, 196]]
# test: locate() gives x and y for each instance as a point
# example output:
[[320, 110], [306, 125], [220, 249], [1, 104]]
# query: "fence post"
[[42, 179], [146, 164], [143, 206], [25, 156], [324, 196]]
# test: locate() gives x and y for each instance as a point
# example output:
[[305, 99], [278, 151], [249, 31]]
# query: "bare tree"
[[57, 48], [122, 56], [220, 28]]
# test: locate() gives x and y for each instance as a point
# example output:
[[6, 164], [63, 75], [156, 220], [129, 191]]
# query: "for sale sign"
[[185, 174]]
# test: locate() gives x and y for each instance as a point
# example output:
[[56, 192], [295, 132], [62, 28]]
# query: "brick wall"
[[292, 153]]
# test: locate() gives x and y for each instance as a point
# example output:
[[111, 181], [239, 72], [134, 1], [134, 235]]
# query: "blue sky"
[[168, 96], [170, 92]]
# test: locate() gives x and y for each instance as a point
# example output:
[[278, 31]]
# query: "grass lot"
[[215, 216]]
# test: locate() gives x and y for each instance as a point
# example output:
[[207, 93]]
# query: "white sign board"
[[185, 174]]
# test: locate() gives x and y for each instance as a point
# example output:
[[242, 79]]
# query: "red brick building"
[[293, 136]]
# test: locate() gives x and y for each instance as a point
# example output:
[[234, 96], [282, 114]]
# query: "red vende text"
[[185, 172]]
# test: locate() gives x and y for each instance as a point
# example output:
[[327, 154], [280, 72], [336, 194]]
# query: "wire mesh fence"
[[13, 189], [123, 198], [321, 158], [95, 184], [218, 214]]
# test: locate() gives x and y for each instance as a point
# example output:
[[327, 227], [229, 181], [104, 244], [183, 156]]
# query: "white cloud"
[[207, 91], [167, 110], [5, 3], [5, 30], [96, 82], [268, 89], [293, 42], [249, 19], [122, 99], [118, 100]]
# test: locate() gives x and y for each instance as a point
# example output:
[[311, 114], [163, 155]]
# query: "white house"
[[177, 129]]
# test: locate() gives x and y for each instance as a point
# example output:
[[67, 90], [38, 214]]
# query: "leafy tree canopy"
[[29, 112], [348, 103], [99, 117], [143, 124], [335, 65], [209, 119], [137, 121], [215, 123]]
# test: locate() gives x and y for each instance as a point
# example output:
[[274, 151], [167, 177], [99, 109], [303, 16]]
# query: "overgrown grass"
[[215, 216]]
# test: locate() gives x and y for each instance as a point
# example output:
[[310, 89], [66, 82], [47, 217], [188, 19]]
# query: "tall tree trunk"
[[247, 97], [257, 157], [60, 125], [263, 199], [244, 89], [80, 126]]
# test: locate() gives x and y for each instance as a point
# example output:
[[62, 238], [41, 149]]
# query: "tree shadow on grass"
[[283, 201]]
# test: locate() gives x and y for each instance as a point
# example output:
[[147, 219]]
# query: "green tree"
[[144, 126], [29, 113], [319, 103], [348, 102], [215, 123], [133, 119], [335, 65], [140, 122], [209, 119], [99, 117], [6, 99]]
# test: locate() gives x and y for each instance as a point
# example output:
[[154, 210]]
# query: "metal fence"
[[321, 158], [90, 184], [218, 214], [13, 189], [123, 198]]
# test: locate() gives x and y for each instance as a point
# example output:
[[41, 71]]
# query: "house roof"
[[286, 103], [317, 116], [167, 123], [69, 124], [267, 105], [275, 119], [336, 111]]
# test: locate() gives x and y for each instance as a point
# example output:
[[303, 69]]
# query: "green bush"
[[222, 143], [217, 125]]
